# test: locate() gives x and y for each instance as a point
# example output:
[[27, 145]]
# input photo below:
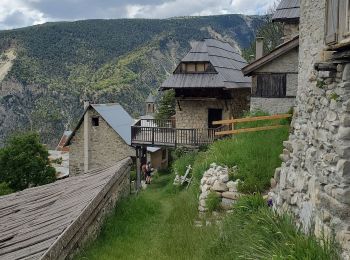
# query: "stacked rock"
[[216, 179]]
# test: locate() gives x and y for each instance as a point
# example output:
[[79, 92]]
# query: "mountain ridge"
[[58, 64]]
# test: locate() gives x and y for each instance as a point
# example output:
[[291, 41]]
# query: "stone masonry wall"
[[271, 105], [313, 180], [194, 114], [106, 147]]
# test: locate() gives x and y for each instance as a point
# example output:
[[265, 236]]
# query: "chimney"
[[86, 136], [259, 47]]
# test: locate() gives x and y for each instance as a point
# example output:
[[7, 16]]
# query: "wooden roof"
[[287, 11], [277, 52], [227, 64], [33, 220]]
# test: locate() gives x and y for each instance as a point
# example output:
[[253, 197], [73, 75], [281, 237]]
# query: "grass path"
[[157, 224]]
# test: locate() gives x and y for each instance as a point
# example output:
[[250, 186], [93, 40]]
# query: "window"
[[95, 121], [271, 85], [199, 67]]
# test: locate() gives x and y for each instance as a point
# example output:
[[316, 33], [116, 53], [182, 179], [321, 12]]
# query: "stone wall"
[[106, 147], [87, 225], [290, 30], [271, 105], [194, 114], [313, 181]]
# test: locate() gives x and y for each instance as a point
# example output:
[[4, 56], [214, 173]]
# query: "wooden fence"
[[232, 122]]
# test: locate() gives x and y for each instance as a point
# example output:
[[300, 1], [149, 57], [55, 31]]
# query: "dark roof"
[[277, 52], [287, 11], [150, 99], [116, 117], [226, 61]]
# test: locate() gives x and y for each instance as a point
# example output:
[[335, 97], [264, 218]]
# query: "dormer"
[[189, 67]]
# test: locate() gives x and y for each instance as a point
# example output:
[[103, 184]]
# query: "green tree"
[[24, 162], [166, 107], [272, 32]]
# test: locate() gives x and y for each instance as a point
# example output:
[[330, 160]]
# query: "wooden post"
[[141, 157]]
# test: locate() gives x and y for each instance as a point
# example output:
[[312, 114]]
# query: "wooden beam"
[[250, 119], [246, 130]]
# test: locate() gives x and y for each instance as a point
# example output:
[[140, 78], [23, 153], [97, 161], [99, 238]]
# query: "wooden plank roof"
[[32, 220], [277, 52], [226, 61], [287, 11]]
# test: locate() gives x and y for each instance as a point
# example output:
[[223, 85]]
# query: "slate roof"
[[117, 118], [287, 11], [226, 61], [276, 53]]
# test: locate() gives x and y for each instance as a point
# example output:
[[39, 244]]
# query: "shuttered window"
[[271, 85], [332, 21]]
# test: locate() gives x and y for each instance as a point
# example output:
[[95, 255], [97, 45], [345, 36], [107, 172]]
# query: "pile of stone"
[[216, 179]]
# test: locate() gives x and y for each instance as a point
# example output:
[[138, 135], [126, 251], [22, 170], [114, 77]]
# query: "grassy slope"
[[159, 223]]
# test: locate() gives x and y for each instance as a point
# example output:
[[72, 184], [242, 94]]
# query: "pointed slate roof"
[[115, 116], [225, 60], [287, 11], [150, 98]]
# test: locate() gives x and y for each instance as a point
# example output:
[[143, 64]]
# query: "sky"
[[21, 13]]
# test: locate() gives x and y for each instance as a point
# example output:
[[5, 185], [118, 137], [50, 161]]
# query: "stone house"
[[209, 85], [275, 75], [313, 180], [102, 137]]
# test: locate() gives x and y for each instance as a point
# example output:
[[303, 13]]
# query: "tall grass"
[[256, 155], [5, 189], [254, 231]]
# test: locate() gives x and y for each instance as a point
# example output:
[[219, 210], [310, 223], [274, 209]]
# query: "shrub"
[[24, 162], [180, 165], [5, 189], [213, 201]]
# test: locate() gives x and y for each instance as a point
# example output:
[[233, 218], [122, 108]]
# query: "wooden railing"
[[156, 133], [231, 123]]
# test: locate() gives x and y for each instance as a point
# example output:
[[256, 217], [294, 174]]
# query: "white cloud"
[[198, 7], [19, 13]]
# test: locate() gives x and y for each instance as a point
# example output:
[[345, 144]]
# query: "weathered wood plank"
[[246, 130], [250, 119]]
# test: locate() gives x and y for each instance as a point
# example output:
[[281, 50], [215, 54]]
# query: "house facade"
[[313, 182], [209, 85], [275, 75], [103, 137]]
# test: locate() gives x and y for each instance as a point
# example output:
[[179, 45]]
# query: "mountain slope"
[[56, 65]]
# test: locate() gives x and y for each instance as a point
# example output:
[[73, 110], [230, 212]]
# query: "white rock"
[[224, 178], [202, 209], [203, 195], [227, 203], [219, 186], [231, 195], [202, 203], [205, 187], [203, 180]]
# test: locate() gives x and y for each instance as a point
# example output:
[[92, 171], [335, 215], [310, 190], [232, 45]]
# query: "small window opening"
[[95, 121]]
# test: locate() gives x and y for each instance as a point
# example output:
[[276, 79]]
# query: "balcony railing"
[[164, 133]]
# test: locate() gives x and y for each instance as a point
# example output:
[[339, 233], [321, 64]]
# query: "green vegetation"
[[5, 189], [213, 201], [254, 231], [59, 64], [24, 162], [166, 107], [160, 224]]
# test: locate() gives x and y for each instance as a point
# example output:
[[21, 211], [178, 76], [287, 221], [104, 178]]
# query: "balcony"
[[163, 133]]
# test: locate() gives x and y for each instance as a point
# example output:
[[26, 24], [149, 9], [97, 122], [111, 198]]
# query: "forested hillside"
[[49, 69]]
